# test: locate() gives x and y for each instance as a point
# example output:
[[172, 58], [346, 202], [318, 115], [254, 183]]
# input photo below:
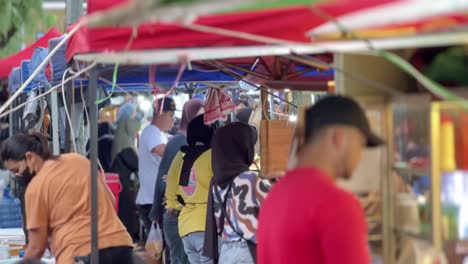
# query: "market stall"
[[419, 219], [227, 46]]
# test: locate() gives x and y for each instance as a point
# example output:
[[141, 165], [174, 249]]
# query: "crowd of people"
[[199, 188]]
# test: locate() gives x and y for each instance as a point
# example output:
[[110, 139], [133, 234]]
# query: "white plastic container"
[[4, 251]]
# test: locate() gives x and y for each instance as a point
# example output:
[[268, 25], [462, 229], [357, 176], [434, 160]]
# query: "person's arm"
[[173, 182], [262, 187], [38, 241], [159, 149], [158, 199], [342, 230], [153, 138], [37, 212]]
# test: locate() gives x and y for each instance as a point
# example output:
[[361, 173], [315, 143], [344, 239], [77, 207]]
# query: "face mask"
[[27, 176]]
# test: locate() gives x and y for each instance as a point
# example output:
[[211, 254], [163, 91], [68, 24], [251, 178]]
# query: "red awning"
[[290, 23], [8, 63]]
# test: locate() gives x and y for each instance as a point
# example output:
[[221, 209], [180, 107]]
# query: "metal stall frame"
[[93, 156]]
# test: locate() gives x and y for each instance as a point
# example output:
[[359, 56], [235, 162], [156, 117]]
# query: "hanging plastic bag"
[[154, 243]]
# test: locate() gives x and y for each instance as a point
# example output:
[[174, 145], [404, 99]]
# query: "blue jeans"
[[193, 245], [235, 253], [173, 240]]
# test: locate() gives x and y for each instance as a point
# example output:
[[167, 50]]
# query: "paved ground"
[[140, 256]]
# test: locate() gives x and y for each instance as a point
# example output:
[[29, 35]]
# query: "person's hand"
[[164, 178]]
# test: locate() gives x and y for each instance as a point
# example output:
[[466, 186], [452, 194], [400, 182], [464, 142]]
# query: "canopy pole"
[[10, 123], [93, 154], [68, 103], [55, 118]]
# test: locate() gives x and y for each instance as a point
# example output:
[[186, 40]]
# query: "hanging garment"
[[218, 106]]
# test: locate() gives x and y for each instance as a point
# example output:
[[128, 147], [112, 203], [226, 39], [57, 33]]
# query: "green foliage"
[[17, 16]]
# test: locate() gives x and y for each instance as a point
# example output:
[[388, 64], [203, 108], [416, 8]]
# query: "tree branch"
[[5, 40]]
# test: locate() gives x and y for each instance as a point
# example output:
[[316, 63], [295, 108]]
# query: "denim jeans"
[[235, 253], [173, 240], [193, 245]]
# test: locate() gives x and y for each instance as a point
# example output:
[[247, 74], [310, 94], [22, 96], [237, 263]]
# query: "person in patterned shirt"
[[236, 196]]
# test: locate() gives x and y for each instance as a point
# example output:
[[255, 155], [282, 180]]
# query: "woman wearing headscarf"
[[188, 187], [125, 163], [191, 109], [236, 196], [127, 129]]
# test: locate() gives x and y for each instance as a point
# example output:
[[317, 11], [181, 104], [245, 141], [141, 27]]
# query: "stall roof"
[[287, 24], [396, 17], [7, 64], [166, 56]]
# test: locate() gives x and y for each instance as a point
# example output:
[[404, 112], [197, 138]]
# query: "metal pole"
[[272, 106], [93, 154], [74, 9], [10, 123], [69, 104], [55, 118], [388, 191]]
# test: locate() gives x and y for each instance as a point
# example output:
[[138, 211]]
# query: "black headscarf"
[[243, 115], [233, 151], [199, 140]]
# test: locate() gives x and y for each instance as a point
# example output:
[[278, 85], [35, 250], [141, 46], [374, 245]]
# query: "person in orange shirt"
[[58, 204]]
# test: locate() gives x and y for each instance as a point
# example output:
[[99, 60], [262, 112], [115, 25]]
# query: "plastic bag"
[[154, 243], [420, 252]]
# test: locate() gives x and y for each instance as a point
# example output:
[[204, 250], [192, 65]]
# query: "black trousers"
[[113, 255], [144, 211]]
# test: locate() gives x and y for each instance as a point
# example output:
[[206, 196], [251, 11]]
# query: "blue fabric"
[[172, 147], [14, 80], [193, 246], [25, 74], [235, 252], [126, 111], [173, 240], [58, 62], [40, 80]]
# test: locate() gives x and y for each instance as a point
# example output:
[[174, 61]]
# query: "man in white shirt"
[[151, 148]]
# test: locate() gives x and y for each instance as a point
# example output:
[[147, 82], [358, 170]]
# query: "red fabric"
[[99, 5], [306, 218], [218, 105], [289, 23], [8, 63], [113, 182]]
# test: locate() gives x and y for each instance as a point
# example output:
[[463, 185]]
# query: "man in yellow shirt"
[[188, 187], [57, 204]]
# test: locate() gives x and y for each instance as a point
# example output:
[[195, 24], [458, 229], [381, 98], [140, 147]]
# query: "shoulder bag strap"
[[252, 246]]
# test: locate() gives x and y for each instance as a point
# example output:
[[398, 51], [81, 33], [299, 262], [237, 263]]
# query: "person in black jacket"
[[126, 164]]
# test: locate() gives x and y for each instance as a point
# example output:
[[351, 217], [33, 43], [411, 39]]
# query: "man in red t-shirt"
[[306, 217]]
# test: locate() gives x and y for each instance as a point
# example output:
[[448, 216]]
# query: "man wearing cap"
[[152, 144], [307, 218]]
